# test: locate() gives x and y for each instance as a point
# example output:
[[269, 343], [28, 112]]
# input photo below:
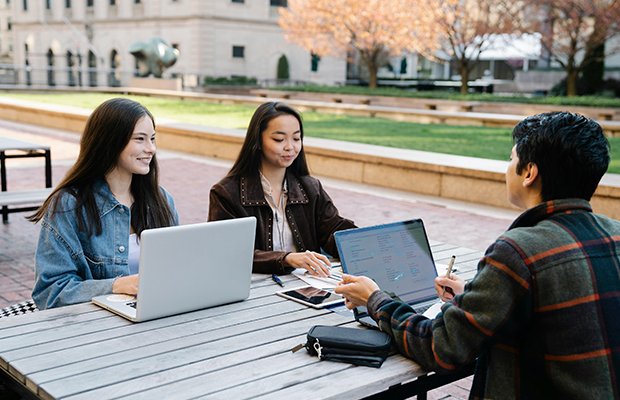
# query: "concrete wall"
[[455, 177]]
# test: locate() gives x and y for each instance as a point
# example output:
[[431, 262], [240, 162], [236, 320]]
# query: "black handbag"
[[355, 346]]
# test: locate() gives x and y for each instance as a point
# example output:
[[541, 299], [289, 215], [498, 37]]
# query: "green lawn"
[[584, 101], [492, 143]]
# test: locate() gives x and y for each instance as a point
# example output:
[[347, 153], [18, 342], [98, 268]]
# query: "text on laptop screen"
[[397, 256]]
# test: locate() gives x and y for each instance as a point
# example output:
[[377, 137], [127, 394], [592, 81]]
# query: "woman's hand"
[[126, 285], [356, 290], [316, 263], [448, 287]]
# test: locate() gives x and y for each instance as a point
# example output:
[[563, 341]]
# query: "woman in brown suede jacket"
[[270, 181]]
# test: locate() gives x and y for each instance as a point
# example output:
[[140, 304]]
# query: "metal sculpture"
[[153, 56]]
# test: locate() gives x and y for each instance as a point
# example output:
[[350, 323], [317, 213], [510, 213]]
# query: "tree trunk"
[[592, 70], [372, 73], [593, 62], [464, 71], [571, 82]]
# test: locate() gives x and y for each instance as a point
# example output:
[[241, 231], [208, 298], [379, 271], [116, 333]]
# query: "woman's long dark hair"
[[108, 131], [248, 161]]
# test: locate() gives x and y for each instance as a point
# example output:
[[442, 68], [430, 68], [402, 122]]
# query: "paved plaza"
[[189, 178]]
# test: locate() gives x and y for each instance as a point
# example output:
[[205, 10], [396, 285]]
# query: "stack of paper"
[[328, 282]]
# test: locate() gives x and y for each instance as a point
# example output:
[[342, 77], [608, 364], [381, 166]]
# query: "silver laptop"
[[189, 267], [397, 256]]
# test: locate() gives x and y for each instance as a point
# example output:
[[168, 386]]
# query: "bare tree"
[[577, 30], [375, 28], [469, 27]]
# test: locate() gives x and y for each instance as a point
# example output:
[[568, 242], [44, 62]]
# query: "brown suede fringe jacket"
[[310, 213]]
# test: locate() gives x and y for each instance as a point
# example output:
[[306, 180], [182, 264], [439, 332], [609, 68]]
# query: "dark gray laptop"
[[189, 267], [397, 256]]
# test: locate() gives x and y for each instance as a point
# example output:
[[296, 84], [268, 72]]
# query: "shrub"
[[283, 72], [228, 80]]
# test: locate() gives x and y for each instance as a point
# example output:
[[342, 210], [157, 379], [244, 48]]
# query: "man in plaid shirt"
[[541, 318]]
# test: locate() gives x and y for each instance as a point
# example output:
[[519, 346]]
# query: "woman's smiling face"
[[137, 155]]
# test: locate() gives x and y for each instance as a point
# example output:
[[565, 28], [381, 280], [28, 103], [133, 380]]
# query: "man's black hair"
[[570, 150]]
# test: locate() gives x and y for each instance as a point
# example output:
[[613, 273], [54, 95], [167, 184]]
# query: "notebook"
[[397, 256], [189, 267]]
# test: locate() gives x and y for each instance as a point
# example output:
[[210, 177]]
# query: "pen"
[[277, 280], [450, 266], [448, 272]]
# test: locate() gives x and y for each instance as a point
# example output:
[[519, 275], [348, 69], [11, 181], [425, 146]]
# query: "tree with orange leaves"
[[468, 27], [375, 28], [574, 30]]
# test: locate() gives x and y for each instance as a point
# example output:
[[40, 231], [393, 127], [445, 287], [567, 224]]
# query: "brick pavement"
[[189, 179]]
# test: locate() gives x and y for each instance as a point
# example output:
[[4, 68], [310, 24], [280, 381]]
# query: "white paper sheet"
[[319, 282], [433, 310]]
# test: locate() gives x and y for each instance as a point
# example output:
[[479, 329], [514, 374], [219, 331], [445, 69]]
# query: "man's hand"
[[356, 290], [448, 287]]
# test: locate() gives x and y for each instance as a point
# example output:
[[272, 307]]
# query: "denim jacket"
[[73, 267]]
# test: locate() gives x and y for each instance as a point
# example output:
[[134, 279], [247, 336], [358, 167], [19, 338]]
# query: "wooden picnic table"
[[235, 351]]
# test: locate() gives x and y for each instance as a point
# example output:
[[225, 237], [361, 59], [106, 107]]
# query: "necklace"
[[279, 228]]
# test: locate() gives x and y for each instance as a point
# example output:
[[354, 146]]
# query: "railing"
[[77, 76]]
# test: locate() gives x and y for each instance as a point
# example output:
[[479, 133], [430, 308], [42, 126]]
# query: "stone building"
[[86, 42]]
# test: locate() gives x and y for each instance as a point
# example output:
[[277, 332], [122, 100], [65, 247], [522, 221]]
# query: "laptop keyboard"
[[132, 304]]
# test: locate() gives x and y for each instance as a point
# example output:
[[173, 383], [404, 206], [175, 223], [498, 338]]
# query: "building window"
[[112, 2], [9, 25], [67, 3], [278, 3], [137, 1], [237, 1], [238, 51], [51, 79], [25, 5], [70, 66], [48, 4], [90, 3], [92, 69]]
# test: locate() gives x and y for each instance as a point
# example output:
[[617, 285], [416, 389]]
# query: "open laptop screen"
[[397, 256]]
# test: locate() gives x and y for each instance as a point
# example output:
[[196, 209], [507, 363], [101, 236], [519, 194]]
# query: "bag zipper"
[[317, 347]]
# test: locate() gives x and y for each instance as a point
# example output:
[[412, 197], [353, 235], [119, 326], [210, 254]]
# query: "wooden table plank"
[[63, 331], [136, 338], [54, 314], [158, 341], [38, 352], [181, 352], [40, 326], [328, 379], [222, 354]]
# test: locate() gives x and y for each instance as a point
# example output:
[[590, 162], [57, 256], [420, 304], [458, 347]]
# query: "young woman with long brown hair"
[[270, 180], [91, 223]]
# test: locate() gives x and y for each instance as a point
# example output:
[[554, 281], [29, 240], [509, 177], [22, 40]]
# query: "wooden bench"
[[606, 115], [25, 200], [468, 106], [271, 93]]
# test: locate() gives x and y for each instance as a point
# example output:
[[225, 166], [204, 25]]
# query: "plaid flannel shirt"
[[541, 318]]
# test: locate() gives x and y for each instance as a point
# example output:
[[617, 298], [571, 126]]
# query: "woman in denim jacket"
[[91, 222]]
